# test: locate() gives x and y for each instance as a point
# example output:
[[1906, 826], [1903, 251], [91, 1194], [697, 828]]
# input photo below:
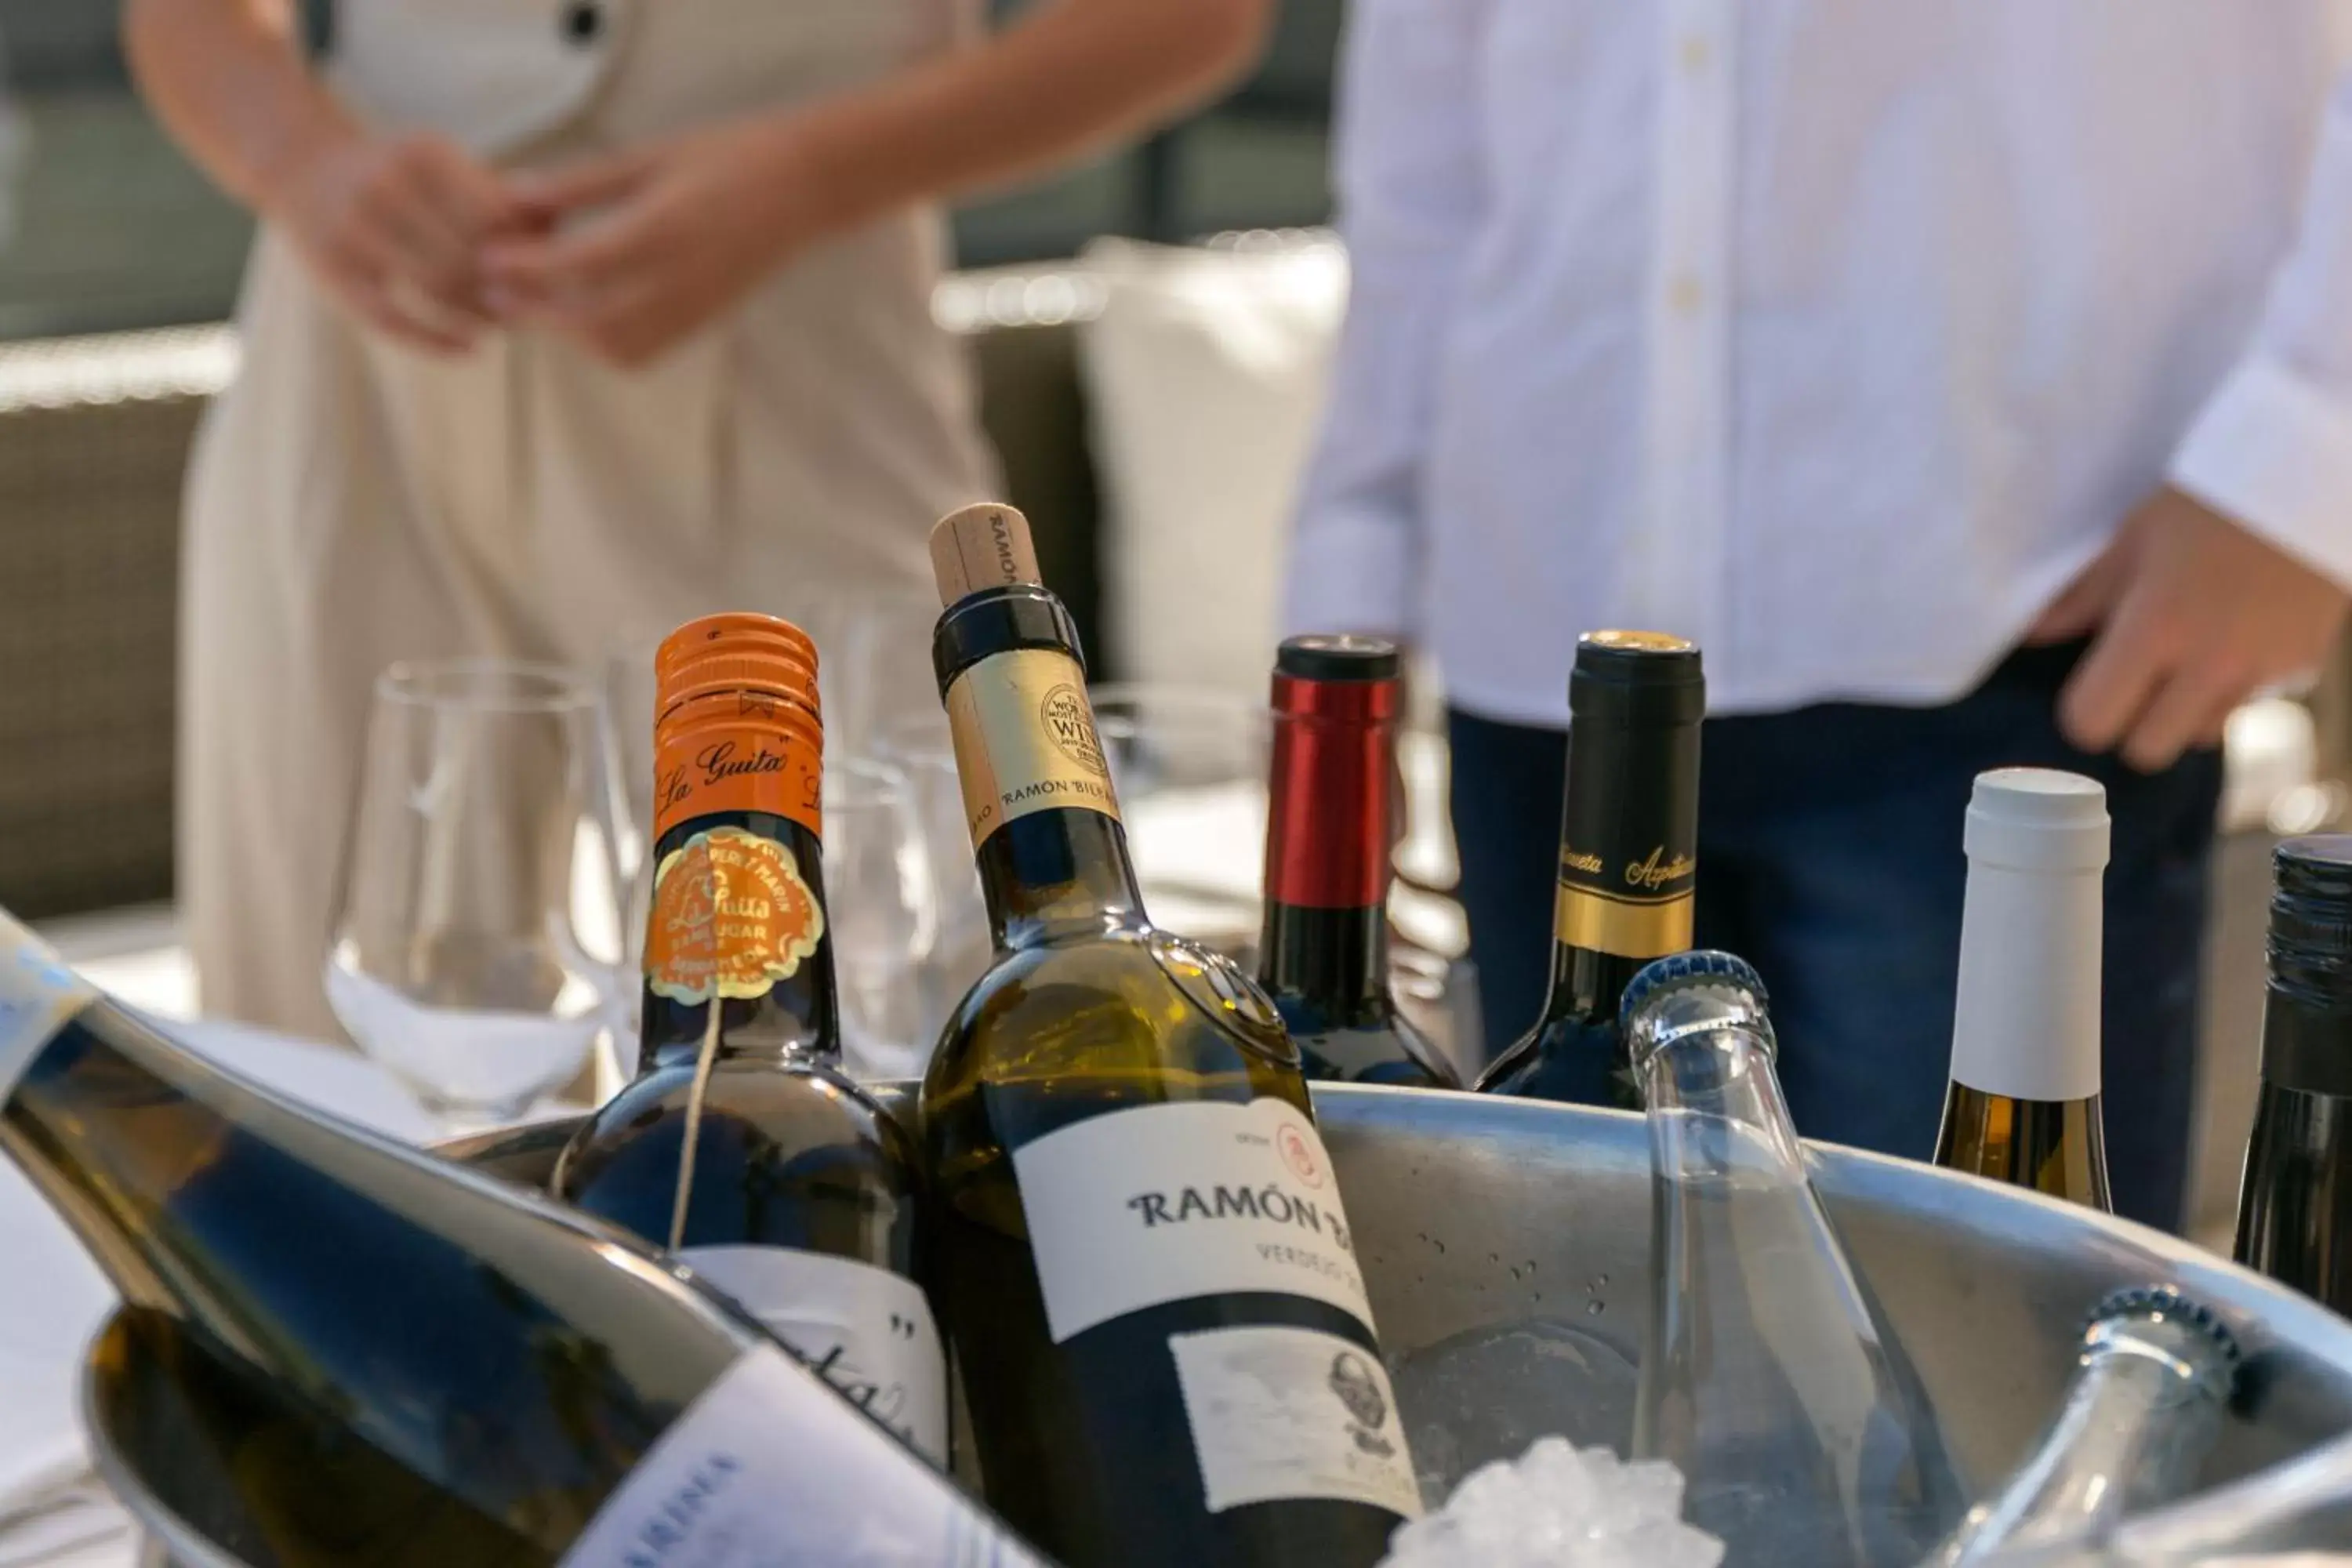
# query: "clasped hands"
[[625, 254]]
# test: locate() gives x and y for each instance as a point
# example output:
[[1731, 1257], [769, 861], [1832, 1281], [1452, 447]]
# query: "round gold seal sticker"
[[732, 915]]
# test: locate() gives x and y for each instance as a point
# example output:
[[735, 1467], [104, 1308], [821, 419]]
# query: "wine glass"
[[1189, 766], [877, 887], [874, 657], [477, 930], [920, 746], [629, 696]]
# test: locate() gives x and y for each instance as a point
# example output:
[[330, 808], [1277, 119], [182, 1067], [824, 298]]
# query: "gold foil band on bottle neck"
[[1629, 927], [1026, 742]]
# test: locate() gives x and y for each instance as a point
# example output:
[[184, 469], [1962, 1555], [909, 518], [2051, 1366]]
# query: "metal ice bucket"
[[1470, 1213]]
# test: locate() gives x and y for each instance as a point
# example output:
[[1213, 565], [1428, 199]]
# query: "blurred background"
[[1151, 332]]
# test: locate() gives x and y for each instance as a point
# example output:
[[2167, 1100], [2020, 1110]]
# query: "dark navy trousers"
[[1830, 857]]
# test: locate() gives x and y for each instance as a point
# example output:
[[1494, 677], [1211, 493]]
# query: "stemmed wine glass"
[[478, 928]]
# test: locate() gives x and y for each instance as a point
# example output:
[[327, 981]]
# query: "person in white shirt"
[[569, 320], [1971, 379]]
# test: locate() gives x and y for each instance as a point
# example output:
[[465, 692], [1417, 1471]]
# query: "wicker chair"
[[94, 434]]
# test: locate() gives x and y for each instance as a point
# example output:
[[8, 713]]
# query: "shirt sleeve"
[[2273, 447], [1411, 190]]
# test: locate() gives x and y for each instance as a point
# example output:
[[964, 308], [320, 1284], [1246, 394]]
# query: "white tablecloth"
[[55, 1300]]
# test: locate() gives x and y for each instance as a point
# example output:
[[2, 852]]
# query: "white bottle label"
[[1293, 1413], [868, 1331], [768, 1470], [1164, 1202]]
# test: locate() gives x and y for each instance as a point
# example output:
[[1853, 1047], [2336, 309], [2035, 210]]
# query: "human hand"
[[2192, 613], [680, 231], [393, 227]]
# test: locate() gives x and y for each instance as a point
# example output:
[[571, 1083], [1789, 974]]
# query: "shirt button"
[[1686, 294], [583, 21], [1696, 53]]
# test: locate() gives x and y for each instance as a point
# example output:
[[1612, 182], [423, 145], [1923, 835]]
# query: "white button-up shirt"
[[1836, 334]]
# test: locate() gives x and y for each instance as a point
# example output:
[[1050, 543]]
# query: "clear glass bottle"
[[2291, 1515], [1767, 1375], [2142, 1411]]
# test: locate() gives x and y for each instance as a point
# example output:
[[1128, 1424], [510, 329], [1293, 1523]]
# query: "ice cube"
[[1559, 1507]]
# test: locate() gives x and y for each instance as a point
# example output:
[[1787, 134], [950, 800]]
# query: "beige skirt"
[[352, 503]]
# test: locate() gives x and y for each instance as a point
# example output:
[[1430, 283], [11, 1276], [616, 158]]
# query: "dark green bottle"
[[1628, 862]]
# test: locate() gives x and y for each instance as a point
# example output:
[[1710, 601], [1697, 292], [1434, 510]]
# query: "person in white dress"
[[570, 320]]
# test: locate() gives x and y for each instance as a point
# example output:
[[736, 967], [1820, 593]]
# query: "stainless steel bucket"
[[1474, 1215]]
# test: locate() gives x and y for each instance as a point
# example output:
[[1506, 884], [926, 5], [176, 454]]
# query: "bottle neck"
[[2293, 1223], [2137, 1422], [1586, 984], [1037, 788], [1331, 815], [2025, 1022], [2306, 1032], [1336, 959], [1057, 873], [115, 1125], [738, 908], [1715, 1106], [2058, 1147], [1628, 860]]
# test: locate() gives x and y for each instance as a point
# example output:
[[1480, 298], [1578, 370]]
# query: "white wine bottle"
[[743, 1147], [1148, 1276], [2023, 1104], [427, 1368]]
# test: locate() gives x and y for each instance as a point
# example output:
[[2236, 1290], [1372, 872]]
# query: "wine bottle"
[[2144, 1408], [1628, 862], [1767, 1375], [422, 1367], [2295, 1203], [2023, 1105], [742, 1147], [1148, 1276], [1324, 954]]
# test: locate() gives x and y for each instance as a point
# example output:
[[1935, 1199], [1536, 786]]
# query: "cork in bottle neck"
[[981, 547]]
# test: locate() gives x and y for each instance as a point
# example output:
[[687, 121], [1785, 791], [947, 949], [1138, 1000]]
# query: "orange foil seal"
[[734, 633], [739, 729], [731, 916]]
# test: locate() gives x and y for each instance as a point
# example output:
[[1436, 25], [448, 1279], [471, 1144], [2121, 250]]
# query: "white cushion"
[[1205, 374]]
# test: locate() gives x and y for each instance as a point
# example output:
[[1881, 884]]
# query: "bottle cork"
[[983, 546]]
